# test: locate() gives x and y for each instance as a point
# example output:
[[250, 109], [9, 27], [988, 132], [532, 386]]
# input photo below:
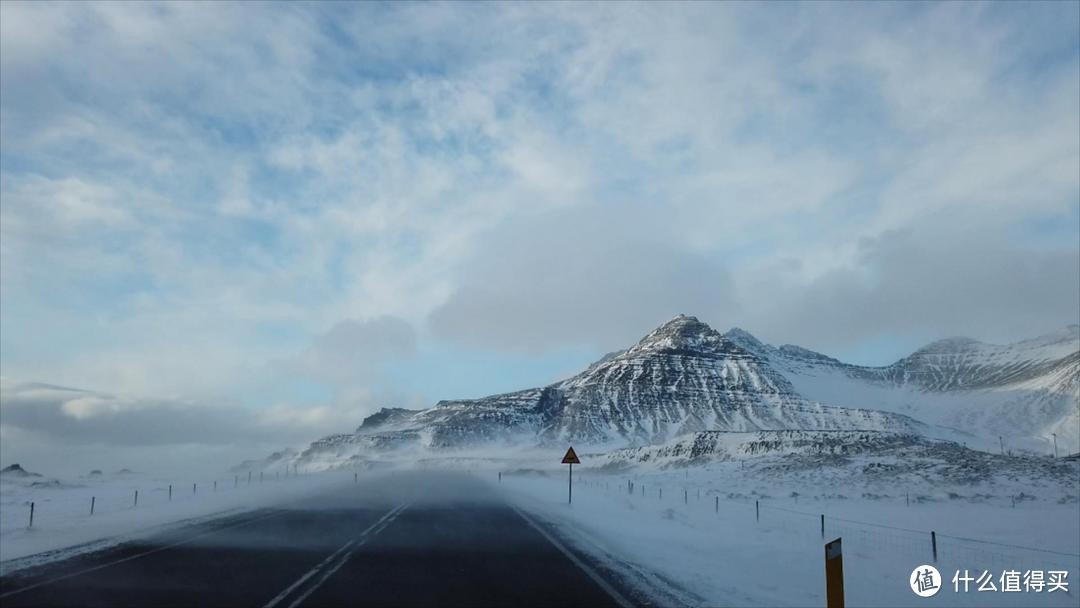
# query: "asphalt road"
[[412, 539]]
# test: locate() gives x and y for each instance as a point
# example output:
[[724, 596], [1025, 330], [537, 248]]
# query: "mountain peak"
[[683, 332], [688, 335], [683, 325], [744, 339], [682, 320]]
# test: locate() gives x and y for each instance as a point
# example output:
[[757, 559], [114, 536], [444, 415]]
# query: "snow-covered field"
[[713, 550], [685, 535], [63, 524]]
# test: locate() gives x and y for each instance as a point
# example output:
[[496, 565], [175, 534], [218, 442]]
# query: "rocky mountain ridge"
[[685, 378], [681, 378]]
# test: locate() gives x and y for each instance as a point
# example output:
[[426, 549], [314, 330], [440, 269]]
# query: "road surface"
[[409, 539]]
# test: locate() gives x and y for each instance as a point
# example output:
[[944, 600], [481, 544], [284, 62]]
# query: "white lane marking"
[[307, 575], [371, 530], [136, 556], [615, 595]]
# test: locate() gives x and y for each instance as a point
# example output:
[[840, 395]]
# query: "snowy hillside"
[[1023, 392], [816, 461]]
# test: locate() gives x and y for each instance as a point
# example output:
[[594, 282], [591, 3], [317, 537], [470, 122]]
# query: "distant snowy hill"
[[1022, 392], [16, 471]]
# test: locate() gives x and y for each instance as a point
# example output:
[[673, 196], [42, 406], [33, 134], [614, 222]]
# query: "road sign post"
[[571, 459], [834, 575]]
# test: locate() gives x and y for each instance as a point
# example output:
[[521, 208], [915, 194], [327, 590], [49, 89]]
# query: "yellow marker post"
[[834, 575]]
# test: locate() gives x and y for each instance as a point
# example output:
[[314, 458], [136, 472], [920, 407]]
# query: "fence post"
[[249, 477], [31, 515], [685, 497], [354, 477], [717, 504], [170, 491], [660, 495], [822, 525], [215, 485], [907, 499], [93, 499], [136, 503], [643, 490], [193, 492], [500, 476], [933, 543], [757, 510]]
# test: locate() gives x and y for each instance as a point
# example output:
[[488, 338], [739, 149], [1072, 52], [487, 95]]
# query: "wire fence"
[[861, 538], [92, 498]]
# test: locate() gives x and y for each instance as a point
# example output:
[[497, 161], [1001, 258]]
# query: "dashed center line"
[[342, 555]]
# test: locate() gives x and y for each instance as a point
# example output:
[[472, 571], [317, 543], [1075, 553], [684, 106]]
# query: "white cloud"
[[80, 416], [352, 353]]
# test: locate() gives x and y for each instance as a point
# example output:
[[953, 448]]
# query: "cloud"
[[578, 278], [353, 353], [928, 285], [74, 416], [517, 177]]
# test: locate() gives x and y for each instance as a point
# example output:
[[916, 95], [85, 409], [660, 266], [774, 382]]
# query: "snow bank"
[[712, 550]]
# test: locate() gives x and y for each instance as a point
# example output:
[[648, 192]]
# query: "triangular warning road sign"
[[571, 457]]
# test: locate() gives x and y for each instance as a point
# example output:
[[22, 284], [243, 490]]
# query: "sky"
[[277, 218]]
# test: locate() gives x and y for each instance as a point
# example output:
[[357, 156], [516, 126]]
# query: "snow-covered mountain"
[[945, 365], [1022, 392], [681, 378], [684, 377]]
